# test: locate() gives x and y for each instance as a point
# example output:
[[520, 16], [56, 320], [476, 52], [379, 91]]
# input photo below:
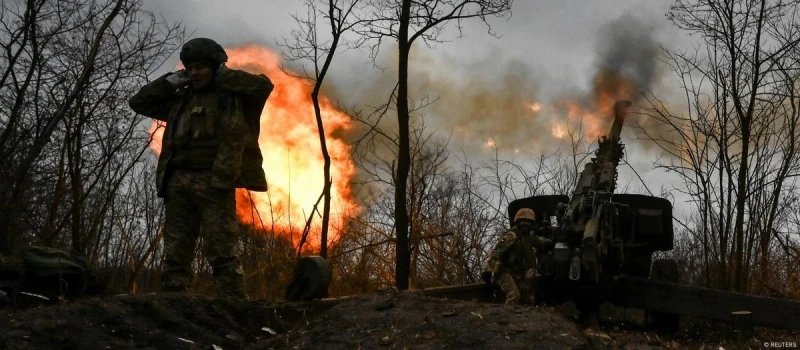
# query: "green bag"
[[44, 261], [56, 272]]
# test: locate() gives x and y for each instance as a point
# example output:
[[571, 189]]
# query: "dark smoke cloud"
[[627, 55], [628, 67]]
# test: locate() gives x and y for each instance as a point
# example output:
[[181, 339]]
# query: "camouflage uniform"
[[512, 262], [209, 148]]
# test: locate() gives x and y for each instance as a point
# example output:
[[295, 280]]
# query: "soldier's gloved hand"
[[179, 78], [488, 277], [222, 72]]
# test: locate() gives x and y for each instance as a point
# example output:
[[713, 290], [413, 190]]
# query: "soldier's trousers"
[[195, 209], [517, 289]]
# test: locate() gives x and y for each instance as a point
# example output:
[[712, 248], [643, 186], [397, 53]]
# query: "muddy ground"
[[382, 320]]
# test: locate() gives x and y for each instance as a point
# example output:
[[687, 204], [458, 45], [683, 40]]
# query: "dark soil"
[[386, 319], [410, 320]]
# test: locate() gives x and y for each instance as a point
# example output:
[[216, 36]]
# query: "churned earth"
[[381, 320]]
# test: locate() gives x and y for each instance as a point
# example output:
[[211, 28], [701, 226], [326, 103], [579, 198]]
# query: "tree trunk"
[[75, 161], [326, 189], [746, 120], [403, 267]]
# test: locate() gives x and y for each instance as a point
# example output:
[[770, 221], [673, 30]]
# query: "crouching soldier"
[[511, 264], [209, 148]]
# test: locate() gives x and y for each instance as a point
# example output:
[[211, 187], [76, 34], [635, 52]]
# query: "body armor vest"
[[195, 136]]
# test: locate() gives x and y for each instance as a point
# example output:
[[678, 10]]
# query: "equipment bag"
[[56, 270]]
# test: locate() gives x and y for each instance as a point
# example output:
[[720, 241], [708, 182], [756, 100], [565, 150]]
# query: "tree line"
[[76, 172]]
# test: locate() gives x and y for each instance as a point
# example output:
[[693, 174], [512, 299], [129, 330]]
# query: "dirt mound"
[[387, 319], [412, 320], [167, 321]]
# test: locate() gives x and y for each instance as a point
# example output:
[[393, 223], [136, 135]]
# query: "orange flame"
[[293, 162], [594, 118]]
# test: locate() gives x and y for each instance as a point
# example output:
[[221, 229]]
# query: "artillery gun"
[[599, 235]]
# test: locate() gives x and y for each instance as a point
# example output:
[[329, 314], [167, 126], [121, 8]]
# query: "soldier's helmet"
[[203, 49], [525, 214]]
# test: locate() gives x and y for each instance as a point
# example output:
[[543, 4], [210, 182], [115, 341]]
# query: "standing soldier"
[[512, 262], [209, 148]]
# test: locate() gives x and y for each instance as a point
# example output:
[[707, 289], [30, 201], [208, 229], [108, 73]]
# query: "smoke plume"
[[627, 60]]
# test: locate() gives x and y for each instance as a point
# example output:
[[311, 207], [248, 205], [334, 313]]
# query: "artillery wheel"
[[637, 263], [665, 270]]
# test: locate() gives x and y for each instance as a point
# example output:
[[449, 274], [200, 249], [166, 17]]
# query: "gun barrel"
[[620, 113]]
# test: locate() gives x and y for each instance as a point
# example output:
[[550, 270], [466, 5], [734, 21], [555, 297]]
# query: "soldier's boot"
[[229, 277], [175, 278]]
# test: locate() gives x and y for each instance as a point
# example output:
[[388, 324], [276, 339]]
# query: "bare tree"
[[306, 45], [68, 140], [25, 164], [407, 21], [735, 146]]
